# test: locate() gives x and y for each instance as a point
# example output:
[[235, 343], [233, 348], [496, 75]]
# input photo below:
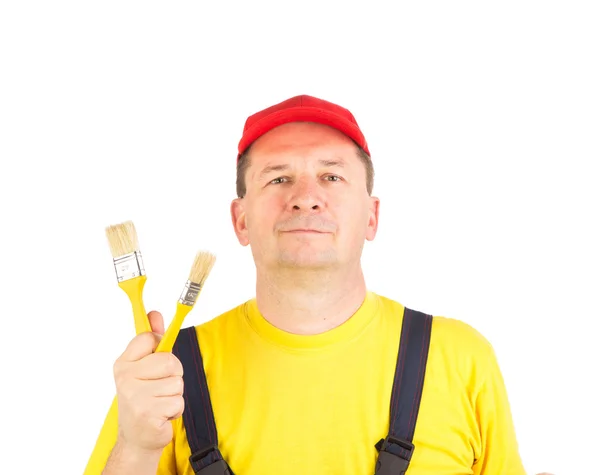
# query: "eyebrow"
[[281, 168], [272, 168], [332, 163]]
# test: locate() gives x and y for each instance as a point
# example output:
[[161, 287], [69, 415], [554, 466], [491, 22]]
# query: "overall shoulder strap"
[[198, 417], [396, 449]]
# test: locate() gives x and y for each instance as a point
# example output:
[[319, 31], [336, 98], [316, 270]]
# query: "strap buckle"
[[388, 463], [218, 467]]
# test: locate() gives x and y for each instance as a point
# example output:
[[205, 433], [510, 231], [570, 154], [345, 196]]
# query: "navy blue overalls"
[[395, 450]]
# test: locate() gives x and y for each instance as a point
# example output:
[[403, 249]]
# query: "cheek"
[[354, 219], [260, 217]]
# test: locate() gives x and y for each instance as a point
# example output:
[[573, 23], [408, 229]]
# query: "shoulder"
[[453, 332], [224, 319], [223, 326], [452, 339], [459, 349], [387, 304]]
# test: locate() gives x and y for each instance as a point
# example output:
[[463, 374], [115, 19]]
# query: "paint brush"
[[107, 438], [129, 267], [203, 264]]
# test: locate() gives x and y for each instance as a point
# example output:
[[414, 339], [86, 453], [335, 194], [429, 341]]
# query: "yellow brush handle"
[[134, 289], [108, 434], [168, 340]]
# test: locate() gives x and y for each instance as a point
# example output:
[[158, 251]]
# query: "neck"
[[309, 302]]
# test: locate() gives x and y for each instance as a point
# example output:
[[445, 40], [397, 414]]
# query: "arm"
[[125, 460], [499, 448]]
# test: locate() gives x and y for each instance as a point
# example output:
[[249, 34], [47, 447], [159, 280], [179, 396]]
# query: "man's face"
[[306, 203]]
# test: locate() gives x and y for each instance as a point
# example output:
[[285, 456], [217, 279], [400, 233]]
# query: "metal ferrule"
[[129, 266], [190, 293]]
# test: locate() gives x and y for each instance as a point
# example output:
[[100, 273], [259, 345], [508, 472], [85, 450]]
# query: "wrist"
[[129, 455]]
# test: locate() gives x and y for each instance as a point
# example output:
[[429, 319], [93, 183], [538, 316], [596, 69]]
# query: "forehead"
[[301, 138]]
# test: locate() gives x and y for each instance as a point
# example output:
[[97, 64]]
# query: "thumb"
[[156, 322]]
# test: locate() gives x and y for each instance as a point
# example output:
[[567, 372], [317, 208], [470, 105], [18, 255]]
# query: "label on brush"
[[190, 293]]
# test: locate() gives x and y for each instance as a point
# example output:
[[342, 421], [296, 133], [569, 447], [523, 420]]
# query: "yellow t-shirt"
[[297, 405]]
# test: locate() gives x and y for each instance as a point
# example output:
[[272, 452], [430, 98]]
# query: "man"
[[301, 377]]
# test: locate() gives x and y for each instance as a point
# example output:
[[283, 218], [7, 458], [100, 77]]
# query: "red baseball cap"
[[301, 108]]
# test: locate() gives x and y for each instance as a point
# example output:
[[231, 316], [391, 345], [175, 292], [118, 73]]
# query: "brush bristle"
[[122, 239], [203, 264]]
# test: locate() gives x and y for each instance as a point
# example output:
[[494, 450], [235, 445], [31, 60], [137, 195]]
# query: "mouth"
[[304, 231]]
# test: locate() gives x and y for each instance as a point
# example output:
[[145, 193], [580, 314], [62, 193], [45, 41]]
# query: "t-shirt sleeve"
[[499, 448]]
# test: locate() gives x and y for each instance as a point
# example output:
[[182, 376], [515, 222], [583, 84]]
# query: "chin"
[[308, 259]]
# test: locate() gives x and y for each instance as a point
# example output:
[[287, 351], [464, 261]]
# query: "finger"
[[169, 408], [171, 386], [157, 322], [158, 366], [140, 346]]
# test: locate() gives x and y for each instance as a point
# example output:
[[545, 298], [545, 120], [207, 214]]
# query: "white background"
[[483, 121]]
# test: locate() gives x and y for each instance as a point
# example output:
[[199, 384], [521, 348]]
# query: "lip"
[[304, 231]]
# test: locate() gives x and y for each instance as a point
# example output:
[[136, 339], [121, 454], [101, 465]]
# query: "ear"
[[373, 218], [238, 219]]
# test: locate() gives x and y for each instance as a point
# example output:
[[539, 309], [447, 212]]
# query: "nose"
[[306, 196]]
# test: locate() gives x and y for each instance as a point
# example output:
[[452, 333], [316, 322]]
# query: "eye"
[[276, 181], [333, 178]]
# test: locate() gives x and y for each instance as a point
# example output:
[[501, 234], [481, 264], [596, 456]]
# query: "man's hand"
[[149, 396], [149, 391]]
